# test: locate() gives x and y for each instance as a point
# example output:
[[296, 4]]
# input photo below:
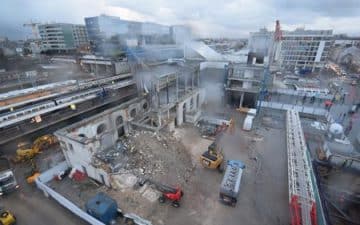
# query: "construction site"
[[195, 138]]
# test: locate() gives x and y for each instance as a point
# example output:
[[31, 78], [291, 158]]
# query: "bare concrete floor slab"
[[264, 189]]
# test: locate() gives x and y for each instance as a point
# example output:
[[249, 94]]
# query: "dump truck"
[[7, 178], [230, 185]]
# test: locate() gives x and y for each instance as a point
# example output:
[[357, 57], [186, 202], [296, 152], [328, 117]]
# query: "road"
[[31, 207]]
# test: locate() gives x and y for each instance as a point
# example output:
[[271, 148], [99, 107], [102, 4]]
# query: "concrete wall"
[[197, 98], [122, 67], [80, 155]]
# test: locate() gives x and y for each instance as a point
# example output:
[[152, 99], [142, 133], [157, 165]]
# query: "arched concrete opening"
[[133, 112], [121, 131], [101, 128], [145, 106], [119, 120]]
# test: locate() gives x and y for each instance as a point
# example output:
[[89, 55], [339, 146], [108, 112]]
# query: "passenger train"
[[58, 103]]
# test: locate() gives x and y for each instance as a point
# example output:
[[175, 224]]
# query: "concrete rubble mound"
[[158, 156]]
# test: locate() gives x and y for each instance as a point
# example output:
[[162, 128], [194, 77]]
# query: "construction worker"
[[304, 99], [312, 100], [232, 126]]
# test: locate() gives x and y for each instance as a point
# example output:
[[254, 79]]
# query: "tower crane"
[[273, 56]]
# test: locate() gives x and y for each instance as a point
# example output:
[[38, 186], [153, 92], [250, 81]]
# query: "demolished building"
[[91, 144], [170, 96]]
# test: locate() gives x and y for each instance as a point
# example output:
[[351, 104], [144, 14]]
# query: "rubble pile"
[[210, 130], [113, 158], [157, 156]]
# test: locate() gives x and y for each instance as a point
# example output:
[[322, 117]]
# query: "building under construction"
[[132, 120]]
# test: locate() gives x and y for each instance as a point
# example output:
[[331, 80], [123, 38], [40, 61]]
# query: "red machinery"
[[174, 194], [295, 210]]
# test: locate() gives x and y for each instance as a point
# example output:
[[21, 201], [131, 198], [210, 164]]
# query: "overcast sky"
[[208, 18]]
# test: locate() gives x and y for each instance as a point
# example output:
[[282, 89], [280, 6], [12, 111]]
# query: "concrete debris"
[[151, 195], [157, 156], [211, 129], [124, 181]]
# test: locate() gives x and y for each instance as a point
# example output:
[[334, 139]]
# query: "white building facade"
[[305, 50], [84, 142], [62, 36]]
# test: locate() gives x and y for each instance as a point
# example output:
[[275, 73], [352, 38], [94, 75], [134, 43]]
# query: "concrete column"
[[188, 106], [177, 86], [159, 119], [92, 68], [179, 114], [126, 128], [241, 99], [195, 101]]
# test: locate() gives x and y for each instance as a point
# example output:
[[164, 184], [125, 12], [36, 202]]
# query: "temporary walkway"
[[301, 194], [299, 108]]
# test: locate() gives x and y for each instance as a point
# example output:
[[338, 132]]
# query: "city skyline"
[[233, 19]]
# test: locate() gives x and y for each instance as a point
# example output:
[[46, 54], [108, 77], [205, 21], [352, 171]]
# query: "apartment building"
[[305, 50], [62, 36]]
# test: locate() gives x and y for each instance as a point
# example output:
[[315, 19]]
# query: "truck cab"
[[8, 182]]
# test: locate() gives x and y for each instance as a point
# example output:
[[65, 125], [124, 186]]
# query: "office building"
[[305, 50], [101, 29], [107, 33], [62, 36]]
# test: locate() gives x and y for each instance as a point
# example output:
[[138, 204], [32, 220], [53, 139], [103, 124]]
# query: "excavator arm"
[[25, 153]]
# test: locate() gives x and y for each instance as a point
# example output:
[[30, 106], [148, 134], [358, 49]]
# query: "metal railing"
[[48, 176]]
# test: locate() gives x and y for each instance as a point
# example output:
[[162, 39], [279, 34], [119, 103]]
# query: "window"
[[119, 120], [133, 113], [145, 106], [101, 128]]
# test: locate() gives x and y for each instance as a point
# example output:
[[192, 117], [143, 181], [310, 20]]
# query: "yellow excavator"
[[212, 158], [26, 151]]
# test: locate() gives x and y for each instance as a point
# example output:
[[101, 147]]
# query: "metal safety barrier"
[[48, 176]]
